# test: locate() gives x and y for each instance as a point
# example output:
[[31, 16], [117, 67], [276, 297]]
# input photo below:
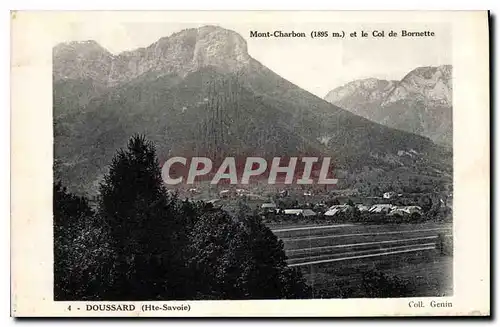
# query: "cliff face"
[[420, 103], [432, 85], [179, 54]]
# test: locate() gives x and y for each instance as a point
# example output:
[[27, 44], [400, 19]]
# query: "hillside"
[[198, 92]]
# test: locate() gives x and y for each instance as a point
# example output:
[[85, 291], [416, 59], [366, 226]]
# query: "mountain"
[[420, 103], [178, 54], [199, 92]]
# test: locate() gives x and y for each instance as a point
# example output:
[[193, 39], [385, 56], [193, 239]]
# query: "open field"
[[333, 258]]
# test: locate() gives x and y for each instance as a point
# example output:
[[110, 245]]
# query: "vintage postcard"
[[250, 164]]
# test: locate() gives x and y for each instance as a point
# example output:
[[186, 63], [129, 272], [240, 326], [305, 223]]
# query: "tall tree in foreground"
[[142, 223], [169, 249]]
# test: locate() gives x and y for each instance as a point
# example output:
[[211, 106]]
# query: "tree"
[[144, 227], [164, 248], [235, 258], [82, 256], [217, 254], [270, 277]]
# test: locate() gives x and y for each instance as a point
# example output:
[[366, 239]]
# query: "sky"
[[316, 65]]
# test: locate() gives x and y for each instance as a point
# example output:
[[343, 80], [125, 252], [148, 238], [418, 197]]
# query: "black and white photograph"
[[383, 229], [201, 158]]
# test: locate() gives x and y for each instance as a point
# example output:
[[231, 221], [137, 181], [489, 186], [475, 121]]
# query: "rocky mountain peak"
[[200, 47], [369, 88], [81, 48], [81, 60], [427, 84], [420, 103], [178, 54], [220, 47]]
